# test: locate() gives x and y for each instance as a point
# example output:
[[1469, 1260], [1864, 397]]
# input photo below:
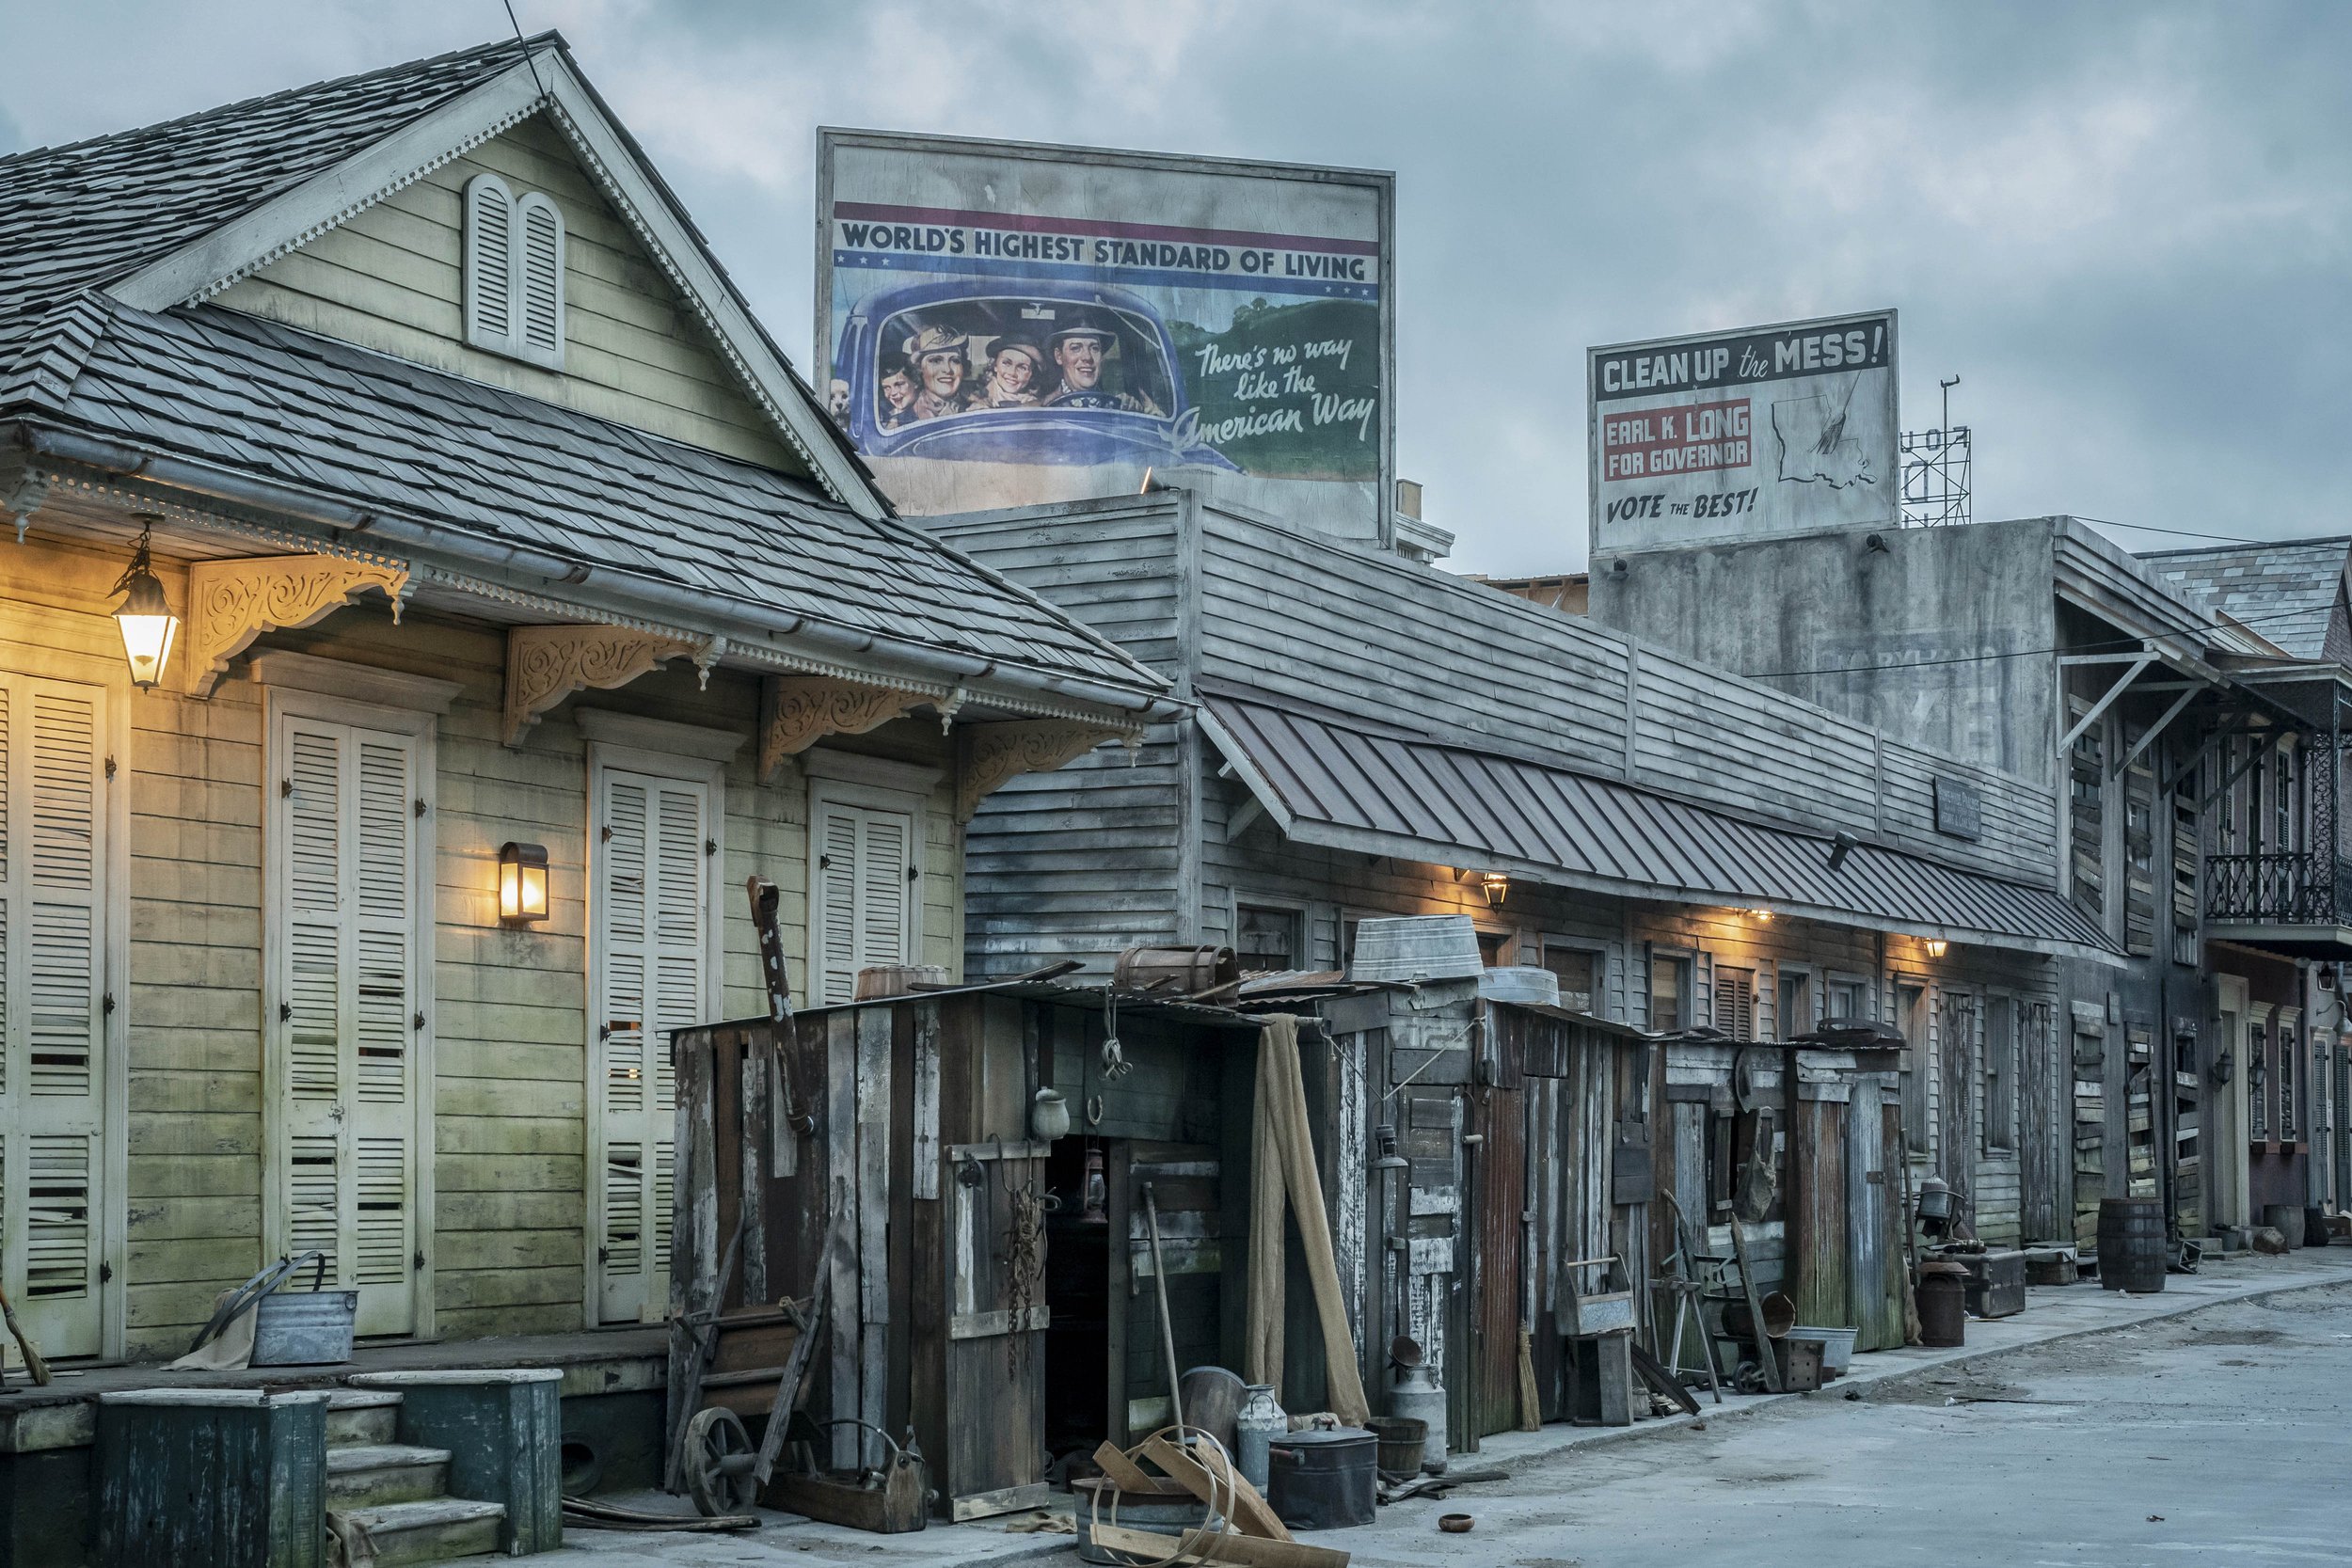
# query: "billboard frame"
[[1595, 353], [1382, 183]]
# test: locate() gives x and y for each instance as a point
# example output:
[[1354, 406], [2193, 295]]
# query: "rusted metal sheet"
[[1500, 1188]]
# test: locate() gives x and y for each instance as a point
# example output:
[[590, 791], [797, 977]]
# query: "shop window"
[[2000, 1074], [1911, 1017], [1669, 993], [1266, 941], [2290, 1085], [1576, 968], [2257, 1083], [1795, 1003]]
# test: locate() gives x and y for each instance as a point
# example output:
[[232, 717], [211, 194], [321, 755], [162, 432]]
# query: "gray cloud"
[[2128, 228]]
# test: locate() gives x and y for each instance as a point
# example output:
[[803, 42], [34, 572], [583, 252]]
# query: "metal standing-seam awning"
[[1381, 790]]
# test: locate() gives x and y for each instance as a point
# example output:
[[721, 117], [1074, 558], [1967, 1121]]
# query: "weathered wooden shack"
[[1678, 847], [995, 1292]]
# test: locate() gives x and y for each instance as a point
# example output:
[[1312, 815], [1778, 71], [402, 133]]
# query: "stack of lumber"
[[1251, 1535]]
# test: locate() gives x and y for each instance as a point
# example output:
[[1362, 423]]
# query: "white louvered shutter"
[[345, 931], [490, 283], [539, 278], [650, 895], [52, 1008], [865, 895]]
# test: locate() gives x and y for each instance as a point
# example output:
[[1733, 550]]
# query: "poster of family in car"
[[1007, 324], [1764, 430]]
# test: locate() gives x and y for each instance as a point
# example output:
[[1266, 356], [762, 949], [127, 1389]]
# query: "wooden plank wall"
[[391, 279], [1472, 663], [1085, 860]]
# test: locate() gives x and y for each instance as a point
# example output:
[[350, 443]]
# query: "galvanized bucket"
[[304, 1328]]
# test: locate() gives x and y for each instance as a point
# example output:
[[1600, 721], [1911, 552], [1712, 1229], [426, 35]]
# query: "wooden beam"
[[1249, 1550], [2099, 707]]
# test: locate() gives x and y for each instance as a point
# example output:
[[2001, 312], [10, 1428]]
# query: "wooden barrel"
[[2131, 1243], [1175, 971]]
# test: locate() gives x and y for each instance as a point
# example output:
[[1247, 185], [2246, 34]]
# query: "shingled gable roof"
[[2287, 590], [170, 215], [101, 334]]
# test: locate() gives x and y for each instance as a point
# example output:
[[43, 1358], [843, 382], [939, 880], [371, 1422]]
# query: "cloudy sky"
[[2128, 229]]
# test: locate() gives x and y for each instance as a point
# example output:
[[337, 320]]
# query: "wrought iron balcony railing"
[[2308, 888]]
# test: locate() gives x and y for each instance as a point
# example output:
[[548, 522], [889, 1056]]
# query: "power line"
[[2187, 533], [2016, 652]]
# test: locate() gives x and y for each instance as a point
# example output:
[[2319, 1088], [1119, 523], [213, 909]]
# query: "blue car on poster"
[[986, 371]]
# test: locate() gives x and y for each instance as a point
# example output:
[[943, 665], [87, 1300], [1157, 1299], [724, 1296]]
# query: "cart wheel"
[[719, 1461]]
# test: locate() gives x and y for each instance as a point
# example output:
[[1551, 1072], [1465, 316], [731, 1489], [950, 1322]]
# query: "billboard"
[[1005, 324], [1765, 430]]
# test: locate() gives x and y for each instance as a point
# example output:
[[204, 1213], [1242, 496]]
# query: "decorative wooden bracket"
[[798, 711], [988, 754], [547, 664], [232, 602], [24, 498]]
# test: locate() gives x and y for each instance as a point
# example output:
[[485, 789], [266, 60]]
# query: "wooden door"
[[52, 1076], [1499, 1246], [652, 843], [346, 940], [1819, 1262], [996, 1290], [1874, 1282]]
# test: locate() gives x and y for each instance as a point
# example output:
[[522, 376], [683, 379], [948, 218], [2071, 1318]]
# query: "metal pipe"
[[1167, 1330], [693, 605]]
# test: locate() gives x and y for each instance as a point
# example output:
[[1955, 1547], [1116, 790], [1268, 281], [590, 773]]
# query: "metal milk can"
[[1256, 1424], [1416, 1396]]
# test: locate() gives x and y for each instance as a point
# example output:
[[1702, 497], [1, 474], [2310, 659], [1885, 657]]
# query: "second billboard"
[[1766, 430], [1007, 324]]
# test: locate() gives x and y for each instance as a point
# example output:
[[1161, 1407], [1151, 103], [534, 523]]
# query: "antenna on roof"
[[519, 39]]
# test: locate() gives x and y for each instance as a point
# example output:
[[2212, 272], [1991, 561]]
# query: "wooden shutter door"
[[52, 964], [350, 1008], [650, 901], [865, 895]]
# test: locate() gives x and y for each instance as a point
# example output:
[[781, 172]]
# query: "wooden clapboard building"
[[501, 542], [1678, 846]]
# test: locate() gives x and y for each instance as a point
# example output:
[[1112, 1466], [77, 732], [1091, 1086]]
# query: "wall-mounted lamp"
[[1937, 947], [1495, 886], [522, 882], [1762, 917], [144, 615]]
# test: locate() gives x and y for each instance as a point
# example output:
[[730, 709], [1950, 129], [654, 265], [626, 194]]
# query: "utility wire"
[[528, 59], [2127, 642]]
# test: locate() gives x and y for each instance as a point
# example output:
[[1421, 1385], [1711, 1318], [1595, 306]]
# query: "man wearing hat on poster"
[[1013, 367], [1079, 350], [937, 356]]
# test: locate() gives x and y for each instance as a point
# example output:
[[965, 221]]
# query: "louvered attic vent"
[[513, 273]]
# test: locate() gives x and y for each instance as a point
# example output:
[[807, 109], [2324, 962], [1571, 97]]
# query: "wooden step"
[[366, 1475], [361, 1415], [432, 1531]]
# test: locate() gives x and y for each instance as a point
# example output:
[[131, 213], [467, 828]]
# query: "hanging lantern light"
[[1937, 947], [144, 614], [1097, 1205], [1497, 887], [522, 882]]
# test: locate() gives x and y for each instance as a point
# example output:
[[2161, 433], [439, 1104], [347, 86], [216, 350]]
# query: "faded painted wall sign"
[[1766, 430], [1007, 324]]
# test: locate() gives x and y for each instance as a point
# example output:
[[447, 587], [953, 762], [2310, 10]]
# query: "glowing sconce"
[[144, 615], [1937, 947], [1497, 887], [522, 882]]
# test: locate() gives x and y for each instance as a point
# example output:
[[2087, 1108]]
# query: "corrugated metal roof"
[[1384, 791], [2286, 591]]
